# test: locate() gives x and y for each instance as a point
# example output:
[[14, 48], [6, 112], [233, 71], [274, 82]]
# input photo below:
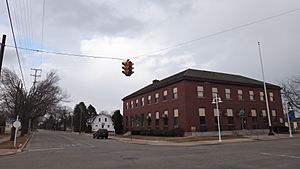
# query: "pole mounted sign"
[[16, 124]]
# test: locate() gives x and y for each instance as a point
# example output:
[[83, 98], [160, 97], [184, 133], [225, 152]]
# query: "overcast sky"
[[132, 28]]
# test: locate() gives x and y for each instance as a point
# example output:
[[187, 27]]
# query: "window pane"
[[201, 112]]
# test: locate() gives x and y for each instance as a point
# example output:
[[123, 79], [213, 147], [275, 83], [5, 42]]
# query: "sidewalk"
[[4, 152], [252, 138]]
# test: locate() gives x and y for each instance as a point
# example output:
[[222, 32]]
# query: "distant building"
[[101, 121], [184, 100]]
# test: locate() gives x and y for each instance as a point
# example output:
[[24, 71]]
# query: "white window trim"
[[201, 112]]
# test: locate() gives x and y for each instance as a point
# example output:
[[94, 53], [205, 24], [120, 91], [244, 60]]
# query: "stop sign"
[[17, 124]]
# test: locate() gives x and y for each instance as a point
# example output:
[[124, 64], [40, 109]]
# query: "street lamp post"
[[216, 101], [288, 117], [72, 128]]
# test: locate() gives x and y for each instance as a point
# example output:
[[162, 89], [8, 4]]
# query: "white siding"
[[103, 124]]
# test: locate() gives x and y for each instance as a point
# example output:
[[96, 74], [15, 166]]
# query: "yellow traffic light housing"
[[127, 67]]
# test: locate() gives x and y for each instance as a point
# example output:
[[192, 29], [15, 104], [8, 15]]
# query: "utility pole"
[[266, 93], [2, 51], [35, 75], [34, 82]]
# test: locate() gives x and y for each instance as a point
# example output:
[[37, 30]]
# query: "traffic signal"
[[127, 67]]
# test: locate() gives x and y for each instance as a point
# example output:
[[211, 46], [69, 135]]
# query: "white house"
[[102, 121]]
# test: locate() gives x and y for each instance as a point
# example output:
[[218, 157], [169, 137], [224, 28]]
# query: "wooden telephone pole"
[[2, 51], [35, 75]]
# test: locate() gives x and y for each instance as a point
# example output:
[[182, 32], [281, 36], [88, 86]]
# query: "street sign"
[[291, 115], [17, 124]]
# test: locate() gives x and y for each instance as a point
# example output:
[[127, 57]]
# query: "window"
[[157, 119], [229, 113], [136, 102], [165, 95], [254, 119], [175, 93], [255, 122], [165, 117], [142, 120], [202, 117], [265, 118], [105, 119], [149, 119], [240, 94], [126, 121], [149, 99], [176, 118], [200, 91], [143, 102], [99, 119], [253, 113], [214, 92], [230, 119], [261, 96], [216, 112], [127, 105], [273, 113], [251, 95], [131, 103], [264, 114], [131, 121], [102, 126], [271, 96], [108, 126], [156, 98], [228, 94]]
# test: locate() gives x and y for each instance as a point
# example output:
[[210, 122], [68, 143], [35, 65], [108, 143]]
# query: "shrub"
[[178, 132]]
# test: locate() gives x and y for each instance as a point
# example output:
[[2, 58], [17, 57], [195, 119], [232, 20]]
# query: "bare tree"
[[29, 105], [291, 91]]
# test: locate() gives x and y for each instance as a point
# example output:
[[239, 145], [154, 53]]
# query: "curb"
[[25, 144], [7, 152], [196, 143]]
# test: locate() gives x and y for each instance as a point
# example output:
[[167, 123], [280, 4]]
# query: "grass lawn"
[[10, 144]]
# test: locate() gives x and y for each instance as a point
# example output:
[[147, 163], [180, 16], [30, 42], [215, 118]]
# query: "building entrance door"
[[243, 115], [243, 123]]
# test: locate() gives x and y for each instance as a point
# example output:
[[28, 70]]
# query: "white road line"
[[280, 155], [47, 149]]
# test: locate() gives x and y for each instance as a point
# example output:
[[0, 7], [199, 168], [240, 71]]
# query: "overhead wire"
[[42, 38], [215, 34], [66, 54], [167, 48], [15, 43]]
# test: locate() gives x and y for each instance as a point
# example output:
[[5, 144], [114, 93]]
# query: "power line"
[[217, 33], [13, 33], [43, 24], [66, 54], [167, 48]]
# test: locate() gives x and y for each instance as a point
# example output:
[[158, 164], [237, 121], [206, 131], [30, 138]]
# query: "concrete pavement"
[[53, 149], [210, 142], [170, 143], [4, 152]]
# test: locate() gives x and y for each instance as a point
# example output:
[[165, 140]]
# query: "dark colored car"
[[101, 133]]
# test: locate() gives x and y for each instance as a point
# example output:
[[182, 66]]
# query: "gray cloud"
[[130, 28]]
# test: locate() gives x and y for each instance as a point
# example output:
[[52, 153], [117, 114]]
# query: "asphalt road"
[[61, 150]]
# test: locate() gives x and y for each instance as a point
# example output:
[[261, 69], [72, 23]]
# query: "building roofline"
[[201, 76]]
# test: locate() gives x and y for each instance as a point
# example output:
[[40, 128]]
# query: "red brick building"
[[184, 100]]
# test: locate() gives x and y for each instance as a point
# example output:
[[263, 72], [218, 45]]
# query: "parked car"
[[101, 133]]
